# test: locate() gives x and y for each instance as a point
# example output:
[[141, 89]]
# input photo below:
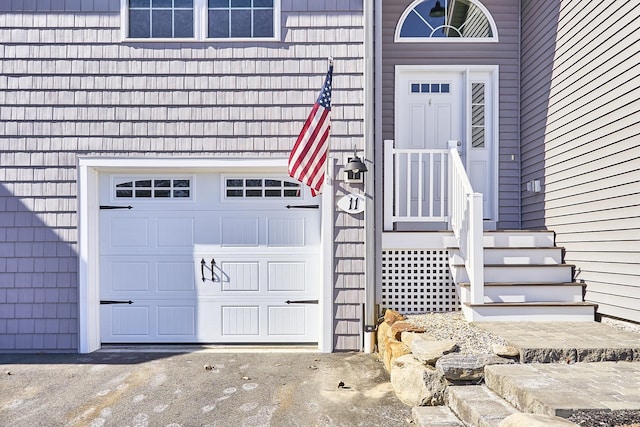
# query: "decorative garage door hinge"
[[115, 207], [307, 301], [115, 302]]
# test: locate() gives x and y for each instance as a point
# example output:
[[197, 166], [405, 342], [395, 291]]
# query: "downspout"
[[370, 315]]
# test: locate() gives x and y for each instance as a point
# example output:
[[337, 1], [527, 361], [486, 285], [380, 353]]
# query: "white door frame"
[[468, 72], [89, 168]]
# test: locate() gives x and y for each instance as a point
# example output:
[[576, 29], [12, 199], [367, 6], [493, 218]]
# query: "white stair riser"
[[486, 313], [517, 274], [519, 239], [523, 256], [523, 293], [514, 256]]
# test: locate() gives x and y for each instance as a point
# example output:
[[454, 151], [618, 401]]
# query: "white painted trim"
[[492, 23], [370, 315], [326, 343], [88, 244], [418, 239], [378, 141], [88, 291]]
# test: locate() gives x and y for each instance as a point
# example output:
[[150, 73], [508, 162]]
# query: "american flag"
[[309, 155]]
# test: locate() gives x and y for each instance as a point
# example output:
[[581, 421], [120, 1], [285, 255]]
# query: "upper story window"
[[160, 19], [200, 20], [446, 20], [240, 18]]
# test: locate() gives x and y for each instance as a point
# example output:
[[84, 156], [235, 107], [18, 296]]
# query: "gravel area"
[[606, 418], [451, 325]]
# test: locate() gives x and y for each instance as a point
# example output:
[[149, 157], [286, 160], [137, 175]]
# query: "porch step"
[[519, 239], [530, 311], [495, 292], [534, 273], [477, 405], [514, 255]]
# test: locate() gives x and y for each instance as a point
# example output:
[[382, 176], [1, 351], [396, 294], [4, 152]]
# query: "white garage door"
[[208, 257]]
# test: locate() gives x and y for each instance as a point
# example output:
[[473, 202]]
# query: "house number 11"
[[352, 203]]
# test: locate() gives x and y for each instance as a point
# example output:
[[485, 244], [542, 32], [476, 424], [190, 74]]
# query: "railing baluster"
[[396, 192], [409, 186], [431, 179], [420, 184]]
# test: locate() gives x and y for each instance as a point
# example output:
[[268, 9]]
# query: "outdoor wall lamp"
[[437, 11], [355, 169]]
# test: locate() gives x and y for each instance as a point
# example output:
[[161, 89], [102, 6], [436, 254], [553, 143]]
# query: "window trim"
[[200, 12], [483, 9]]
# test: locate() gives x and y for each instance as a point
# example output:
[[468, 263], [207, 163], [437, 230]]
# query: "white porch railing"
[[466, 222], [424, 185], [415, 185]]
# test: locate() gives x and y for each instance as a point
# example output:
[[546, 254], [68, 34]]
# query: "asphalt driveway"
[[199, 388]]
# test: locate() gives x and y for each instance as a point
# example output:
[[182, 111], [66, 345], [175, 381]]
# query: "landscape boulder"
[[383, 339], [428, 351], [506, 351], [392, 316], [393, 350], [408, 337], [398, 328], [467, 367], [416, 384]]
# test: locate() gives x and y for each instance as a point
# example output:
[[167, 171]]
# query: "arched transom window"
[[446, 20]]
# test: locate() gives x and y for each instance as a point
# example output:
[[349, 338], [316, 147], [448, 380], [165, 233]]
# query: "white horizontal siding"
[[580, 125]]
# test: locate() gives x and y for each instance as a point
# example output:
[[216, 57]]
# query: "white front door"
[[434, 107], [208, 257]]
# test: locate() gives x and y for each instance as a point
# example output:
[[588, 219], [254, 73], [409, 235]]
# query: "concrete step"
[[530, 311], [509, 255], [478, 406], [526, 292], [519, 273], [434, 416]]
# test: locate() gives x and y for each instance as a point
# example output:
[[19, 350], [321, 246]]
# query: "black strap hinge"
[[303, 206], [115, 207]]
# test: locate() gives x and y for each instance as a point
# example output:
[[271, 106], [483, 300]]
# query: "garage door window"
[[152, 188], [267, 188]]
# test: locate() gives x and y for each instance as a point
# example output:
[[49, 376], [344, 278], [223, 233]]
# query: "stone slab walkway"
[[562, 389], [568, 342]]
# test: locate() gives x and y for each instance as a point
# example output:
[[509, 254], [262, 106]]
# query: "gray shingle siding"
[[69, 87], [580, 129]]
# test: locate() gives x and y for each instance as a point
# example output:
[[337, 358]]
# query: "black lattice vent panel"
[[417, 281]]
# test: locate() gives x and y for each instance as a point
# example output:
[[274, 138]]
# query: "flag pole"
[[328, 176]]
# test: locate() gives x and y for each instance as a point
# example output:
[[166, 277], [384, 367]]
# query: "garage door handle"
[[306, 301], [203, 263], [115, 302]]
